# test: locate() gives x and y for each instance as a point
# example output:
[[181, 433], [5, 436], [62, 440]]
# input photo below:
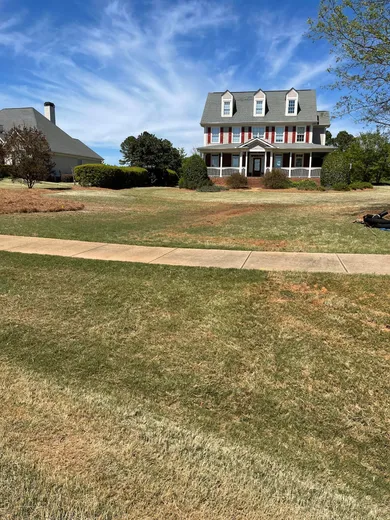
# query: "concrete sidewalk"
[[266, 261]]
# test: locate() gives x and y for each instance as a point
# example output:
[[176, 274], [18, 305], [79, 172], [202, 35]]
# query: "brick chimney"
[[50, 111]]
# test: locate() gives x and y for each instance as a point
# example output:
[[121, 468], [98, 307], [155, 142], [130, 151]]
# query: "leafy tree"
[[194, 173], [182, 153], [329, 140], [369, 155], [358, 34], [343, 140], [335, 169], [29, 153], [150, 152]]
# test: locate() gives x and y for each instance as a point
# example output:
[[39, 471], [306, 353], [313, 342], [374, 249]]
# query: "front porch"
[[256, 157]]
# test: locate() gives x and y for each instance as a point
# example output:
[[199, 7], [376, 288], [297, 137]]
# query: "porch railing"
[[302, 173], [226, 172]]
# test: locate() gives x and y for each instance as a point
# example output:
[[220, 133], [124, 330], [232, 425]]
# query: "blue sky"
[[115, 68]]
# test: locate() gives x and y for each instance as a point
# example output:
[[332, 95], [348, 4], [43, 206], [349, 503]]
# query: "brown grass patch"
[[34, 201]]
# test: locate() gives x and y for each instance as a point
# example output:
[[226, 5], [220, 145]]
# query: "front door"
[[257, 166]]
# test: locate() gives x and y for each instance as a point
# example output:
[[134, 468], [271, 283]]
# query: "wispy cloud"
[[122, 76]]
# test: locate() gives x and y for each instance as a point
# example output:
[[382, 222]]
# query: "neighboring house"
[[253, 132], [67, 151]]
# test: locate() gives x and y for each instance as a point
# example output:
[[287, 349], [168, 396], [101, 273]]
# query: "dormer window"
[[259, 103], [292, 102], [291, 106], [227, 104]]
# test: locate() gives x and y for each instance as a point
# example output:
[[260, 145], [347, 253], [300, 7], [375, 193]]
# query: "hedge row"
[[119, 177]]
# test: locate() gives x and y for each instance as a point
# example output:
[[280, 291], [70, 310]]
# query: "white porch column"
[[220, 164], [241, 162], [265, 162], [310, 159], [271, 164], [289, 165], [246, 163]]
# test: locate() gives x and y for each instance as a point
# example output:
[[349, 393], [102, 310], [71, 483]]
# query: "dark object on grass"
[[377, 221]]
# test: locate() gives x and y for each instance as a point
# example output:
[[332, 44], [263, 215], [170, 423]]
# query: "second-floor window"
[[259, 107], [258, 131], [215, 135], [279, 138], [226, 108], [300, 134], [291, 106], [236, 134]]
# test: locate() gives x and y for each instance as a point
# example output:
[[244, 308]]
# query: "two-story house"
[[254, 132]]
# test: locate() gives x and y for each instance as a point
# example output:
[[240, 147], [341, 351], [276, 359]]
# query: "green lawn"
[[134, 391], [259, 220]]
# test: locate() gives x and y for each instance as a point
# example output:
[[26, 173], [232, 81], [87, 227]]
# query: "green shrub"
[[212, 188], [236, 181], [360, 185], [194, 173], [307, 185], [276, 180], [5, 171], [321, 188], [335, 169], [172, 178], [114, 177], [341, 186]]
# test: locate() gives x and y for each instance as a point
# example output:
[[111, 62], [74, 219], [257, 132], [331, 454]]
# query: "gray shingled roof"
[[323, 117], [59, 141], [275, 108]]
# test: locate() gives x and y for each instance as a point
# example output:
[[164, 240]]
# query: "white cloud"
[[307, 71], [123, 77]]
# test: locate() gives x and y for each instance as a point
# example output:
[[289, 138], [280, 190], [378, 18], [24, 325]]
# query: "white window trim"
[[276, 134], [254, 106], [261, 135], [296, 157], [288, 98], [211, 161], [230, 101], [304, 132], [239, 134], [238, 157], [219, 130]]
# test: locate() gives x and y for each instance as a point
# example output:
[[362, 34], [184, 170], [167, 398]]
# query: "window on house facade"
[[226, 108], [258, 131], [300, 134], [215, 161], [235, 161], [291, 106], [279, 137], [215, 135], [259, 107], [299, 161], [236, 134], [278, 161]]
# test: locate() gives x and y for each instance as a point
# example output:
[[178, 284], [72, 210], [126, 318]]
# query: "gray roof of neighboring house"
[[59, 141], [275, 108]]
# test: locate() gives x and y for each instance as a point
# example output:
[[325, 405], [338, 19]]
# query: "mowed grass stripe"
[[288, 368]]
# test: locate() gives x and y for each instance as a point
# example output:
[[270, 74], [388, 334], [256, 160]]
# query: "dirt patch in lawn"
[[34, 201]]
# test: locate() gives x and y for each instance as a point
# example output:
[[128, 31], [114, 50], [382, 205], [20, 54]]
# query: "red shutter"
[[208, 159], [307, 133], [249, 132], [221, 135], [266, 133], [243, 134], [285, 140], [230, 134], [294, 136], [273, 135], [208, 135]]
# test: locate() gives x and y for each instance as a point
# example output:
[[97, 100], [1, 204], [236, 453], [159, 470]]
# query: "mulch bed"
[[34, 201]]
